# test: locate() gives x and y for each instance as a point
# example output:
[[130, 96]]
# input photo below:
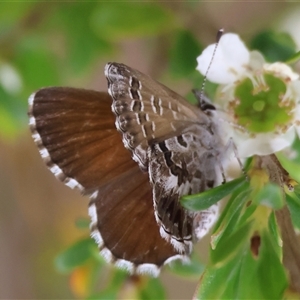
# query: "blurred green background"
[[68, 44]]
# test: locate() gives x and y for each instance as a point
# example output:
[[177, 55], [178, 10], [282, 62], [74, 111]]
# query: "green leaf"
[[270, 270], [208, 198], [228, 246], [152, 290], [246, 276], [215, 281], [270, 195], [296, 151], [115, 284], [231, 216], [76, 255], [276, 46], [183, 54], [130, 19], [292, 166], [275, 234], [257, 273], [119, 276], [193, 268], [294, 58], [293, 202]]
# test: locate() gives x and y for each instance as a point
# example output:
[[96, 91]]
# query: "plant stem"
[[291, 247], [291, 243]]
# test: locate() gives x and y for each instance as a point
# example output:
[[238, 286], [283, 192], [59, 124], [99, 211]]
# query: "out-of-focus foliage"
[[48, 43], [274, 45]]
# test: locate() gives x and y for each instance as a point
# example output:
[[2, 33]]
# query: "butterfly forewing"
[[147, 112], [75, 132]]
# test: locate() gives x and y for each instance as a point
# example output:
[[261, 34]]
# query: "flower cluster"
[[259, 102]]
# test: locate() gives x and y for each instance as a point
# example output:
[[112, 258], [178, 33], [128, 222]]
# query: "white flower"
[[259, 103], [229, 62]]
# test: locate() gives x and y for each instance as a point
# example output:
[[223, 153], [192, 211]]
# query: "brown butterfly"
[[137, 220]]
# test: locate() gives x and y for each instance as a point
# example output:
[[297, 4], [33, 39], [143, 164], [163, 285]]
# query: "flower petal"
[[230, 60], [281, 70], [263, 144]]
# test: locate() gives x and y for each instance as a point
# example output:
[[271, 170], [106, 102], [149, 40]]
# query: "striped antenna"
[[201, 96]]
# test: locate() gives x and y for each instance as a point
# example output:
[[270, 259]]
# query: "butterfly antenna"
[[201, 97]]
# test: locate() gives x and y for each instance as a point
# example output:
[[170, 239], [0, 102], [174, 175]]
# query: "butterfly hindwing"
[[182, 166], [75, 132]]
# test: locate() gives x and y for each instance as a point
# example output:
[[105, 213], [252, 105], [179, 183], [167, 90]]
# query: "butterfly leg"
[[231, 146]]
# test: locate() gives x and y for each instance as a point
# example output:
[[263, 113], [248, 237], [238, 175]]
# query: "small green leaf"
[[237, 199], [275, 234], [208, 198], [218, 281], [193, 268], [293, 202], [270, 270], [231, 216], [294, 58], [119, 276], [229, 246], [290, 165], [116, 282], [76, 255], [296, 150], [246, 276], [152, 290], [270, 195]]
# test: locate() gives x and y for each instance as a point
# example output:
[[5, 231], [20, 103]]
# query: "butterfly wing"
[[174, 141], [75, 132], [147, 112], [183, 165]]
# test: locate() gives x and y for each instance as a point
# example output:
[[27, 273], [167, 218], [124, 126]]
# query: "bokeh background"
[[68, 44]]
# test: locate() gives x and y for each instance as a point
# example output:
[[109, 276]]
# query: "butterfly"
[[134, 151]]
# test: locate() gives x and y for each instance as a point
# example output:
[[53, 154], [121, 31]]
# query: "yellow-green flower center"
[[262, 108]]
